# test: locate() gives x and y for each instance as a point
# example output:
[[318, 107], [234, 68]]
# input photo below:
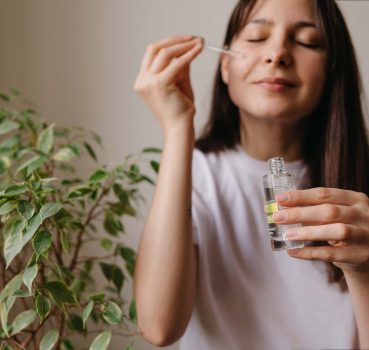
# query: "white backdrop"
[[77, 61]]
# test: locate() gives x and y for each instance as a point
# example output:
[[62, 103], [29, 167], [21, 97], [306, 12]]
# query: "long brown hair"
[[335, 149]]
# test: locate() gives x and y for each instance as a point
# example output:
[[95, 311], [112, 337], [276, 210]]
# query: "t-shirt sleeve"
[[200, 210]]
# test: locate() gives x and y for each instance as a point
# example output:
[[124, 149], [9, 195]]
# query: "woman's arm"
[[165, 272], [358, 284], [340, 217]]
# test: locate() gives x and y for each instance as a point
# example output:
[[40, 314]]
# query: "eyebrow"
[[299, 24]]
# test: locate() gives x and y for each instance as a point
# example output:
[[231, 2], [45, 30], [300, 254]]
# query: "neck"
[[264, 139]]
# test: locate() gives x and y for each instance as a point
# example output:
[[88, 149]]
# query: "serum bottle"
[[275, 182]]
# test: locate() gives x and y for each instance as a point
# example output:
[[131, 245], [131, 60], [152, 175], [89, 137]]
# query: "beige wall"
[[77, 60]]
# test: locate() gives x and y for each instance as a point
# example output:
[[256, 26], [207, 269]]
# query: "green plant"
[[49, 217]]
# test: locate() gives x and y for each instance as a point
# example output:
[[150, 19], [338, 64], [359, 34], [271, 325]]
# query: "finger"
[[344, 254], [154, 48], [316, 215], [320, 195], [183, 82], [167, 54], [174, 69], [332, 232]]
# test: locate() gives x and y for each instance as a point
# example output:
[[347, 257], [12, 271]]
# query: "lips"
[[276, 81], [275, 84]]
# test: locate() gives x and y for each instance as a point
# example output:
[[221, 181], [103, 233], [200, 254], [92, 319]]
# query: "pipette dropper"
[[226, 51]]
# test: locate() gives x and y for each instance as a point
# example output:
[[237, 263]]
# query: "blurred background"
[[76, 61]]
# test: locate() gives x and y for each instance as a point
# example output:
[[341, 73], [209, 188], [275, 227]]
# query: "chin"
[[273, 114]]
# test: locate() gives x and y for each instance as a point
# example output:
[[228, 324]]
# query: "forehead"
[[282, 11]]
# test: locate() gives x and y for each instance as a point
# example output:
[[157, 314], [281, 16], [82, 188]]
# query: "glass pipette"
[[235, 54]]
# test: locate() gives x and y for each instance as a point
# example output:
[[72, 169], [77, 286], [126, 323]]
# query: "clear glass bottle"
[[275, 182]]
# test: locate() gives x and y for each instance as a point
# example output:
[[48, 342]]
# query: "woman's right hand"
[[164, 80]]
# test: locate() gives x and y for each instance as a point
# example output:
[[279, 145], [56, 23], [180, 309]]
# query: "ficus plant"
[[58, 230]]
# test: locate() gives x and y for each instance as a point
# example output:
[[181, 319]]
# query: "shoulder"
[[210, 169]]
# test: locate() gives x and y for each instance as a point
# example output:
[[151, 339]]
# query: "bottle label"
[[270, 208]]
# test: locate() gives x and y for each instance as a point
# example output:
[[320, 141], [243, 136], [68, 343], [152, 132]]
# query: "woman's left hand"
[[338, 216]]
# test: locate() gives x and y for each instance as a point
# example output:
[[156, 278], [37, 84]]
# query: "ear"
[[224, 68]]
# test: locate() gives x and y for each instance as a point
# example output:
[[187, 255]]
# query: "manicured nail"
[[279, 216], [282, 197]]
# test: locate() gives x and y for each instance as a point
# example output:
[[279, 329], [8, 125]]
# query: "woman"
[[211, 275]]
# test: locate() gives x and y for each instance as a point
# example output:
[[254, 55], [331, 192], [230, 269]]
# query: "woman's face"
[[283, 73]]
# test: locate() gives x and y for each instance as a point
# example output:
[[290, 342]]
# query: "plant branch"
[[88, 258], [61, 331], [103, 193]]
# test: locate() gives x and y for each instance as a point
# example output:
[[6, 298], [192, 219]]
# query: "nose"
[[278, 55]]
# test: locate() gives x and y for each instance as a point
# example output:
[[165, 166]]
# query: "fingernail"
[[282, 197], [279, 216]]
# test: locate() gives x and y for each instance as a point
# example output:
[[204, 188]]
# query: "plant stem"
[[103, 193], [61, 331]]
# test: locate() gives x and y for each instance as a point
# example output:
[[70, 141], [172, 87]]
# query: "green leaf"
[[133, 311], [10, 142], [87, 312], [22, 294], [101, 342], [7, 207], [152, 150], [15, 190], [121, 194], [90, 151], [22, 321], [129, 347], [75, 323], [79, 192], [129, 256], [106, 243], [33, 226], [49, 340], [32, 164], [26, 209], [36, 164], [60, 293], [15, 92], [42, 306], [50, 209], [4, 318], [97, 138], [97, 297], [67, 345], [75, 149], [41, 242], [7, 126], [98, 176], [65, 241], [155, 165], [112, 224], [112, 313], [13, 285], [63, 155], [45, 140], [13, 241], [113, 273], [4, 97], [29, 275]]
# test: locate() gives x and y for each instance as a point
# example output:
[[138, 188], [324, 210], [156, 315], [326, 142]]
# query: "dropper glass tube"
[[277, 181], [235, 54]]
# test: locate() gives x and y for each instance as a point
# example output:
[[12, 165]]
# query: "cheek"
[[313, 72], [238, 71]]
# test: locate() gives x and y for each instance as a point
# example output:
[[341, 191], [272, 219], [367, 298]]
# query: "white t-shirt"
[[249, 297]]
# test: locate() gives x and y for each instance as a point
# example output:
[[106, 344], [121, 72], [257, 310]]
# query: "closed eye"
[[254, 40], [310, 46]]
